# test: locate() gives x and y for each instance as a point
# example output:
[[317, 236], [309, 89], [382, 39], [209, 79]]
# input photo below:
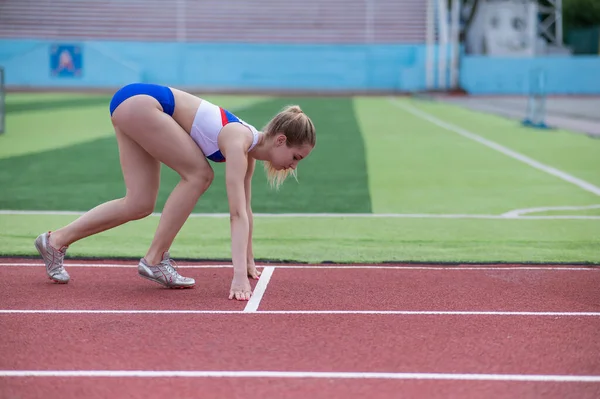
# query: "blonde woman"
[[158, 124]]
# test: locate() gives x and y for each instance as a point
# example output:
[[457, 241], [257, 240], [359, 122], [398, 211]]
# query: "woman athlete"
[[158, 124]]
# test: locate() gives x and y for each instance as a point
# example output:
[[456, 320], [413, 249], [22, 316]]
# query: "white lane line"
[[305, 266], [300, 374], [339, 215], [500, 148], [519, 212], [260, 289], [306, 312]]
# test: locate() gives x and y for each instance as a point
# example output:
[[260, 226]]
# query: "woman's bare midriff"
[[186, 106]]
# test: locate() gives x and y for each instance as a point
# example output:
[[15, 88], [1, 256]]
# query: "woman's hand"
[[240, 288], [252, 272]]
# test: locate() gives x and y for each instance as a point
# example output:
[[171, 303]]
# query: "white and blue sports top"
[[208, 122]]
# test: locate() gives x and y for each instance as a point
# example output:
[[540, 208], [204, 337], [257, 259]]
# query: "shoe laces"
[[171, 266], [58, 255]]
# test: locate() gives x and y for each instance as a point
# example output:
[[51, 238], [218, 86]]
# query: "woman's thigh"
[[141, 118]]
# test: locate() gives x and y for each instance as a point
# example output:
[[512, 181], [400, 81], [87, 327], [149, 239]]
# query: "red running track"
[[390, 343], [194, 388], [497, 289], [113, 288]]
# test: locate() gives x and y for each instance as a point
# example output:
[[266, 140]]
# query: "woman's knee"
[[138, 208], [201, 178]]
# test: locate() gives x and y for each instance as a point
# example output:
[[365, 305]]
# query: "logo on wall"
[[65, 61]]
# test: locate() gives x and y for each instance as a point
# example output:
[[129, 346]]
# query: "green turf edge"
[[340, 239], [574, 153], [275, 262]]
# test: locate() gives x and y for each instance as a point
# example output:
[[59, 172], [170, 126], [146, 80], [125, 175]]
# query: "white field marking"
[[520, 212], [304, 266], [500, 148], [305, 312], [333, 215], [300, 374], [260, 289]]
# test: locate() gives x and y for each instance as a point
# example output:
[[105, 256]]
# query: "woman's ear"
[[280, 139]]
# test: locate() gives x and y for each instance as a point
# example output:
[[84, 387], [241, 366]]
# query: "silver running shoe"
[[164, 273], [53, 258]]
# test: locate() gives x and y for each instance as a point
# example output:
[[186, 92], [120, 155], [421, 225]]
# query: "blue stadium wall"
[[577, 75], [247, 67], [220, 66]]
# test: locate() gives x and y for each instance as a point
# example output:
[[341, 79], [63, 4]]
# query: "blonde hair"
[[298, 130]]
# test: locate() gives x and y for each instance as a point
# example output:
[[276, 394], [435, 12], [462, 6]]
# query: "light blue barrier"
[[222, 66], [564, 75], [227, 66]]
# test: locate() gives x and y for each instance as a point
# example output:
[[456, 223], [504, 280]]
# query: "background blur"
[[448, 130], [480, 46]]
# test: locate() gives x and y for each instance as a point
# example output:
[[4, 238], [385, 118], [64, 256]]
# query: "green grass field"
[[446, 192]]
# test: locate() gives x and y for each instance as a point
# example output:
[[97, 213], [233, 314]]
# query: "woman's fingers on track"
[[240, 295], [240, 289], [255, 274]]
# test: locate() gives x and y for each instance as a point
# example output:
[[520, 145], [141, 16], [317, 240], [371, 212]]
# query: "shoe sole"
[[57, 281], [37, 247], [165, 285]]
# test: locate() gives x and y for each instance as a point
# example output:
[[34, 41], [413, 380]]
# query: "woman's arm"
[[252, 272], [233, 144]]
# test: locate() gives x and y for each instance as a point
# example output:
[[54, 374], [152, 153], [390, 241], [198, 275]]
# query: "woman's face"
[[285, 157]]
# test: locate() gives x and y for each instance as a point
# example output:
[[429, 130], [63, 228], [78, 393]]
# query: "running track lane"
[[244, 388], [114, 288], [450, 289], [340, 343], [485, 289]]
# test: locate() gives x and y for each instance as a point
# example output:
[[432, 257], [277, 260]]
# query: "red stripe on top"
[[224, 119]]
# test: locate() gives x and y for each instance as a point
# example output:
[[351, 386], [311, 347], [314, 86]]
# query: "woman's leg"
[[141, 119], [141, 173]]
